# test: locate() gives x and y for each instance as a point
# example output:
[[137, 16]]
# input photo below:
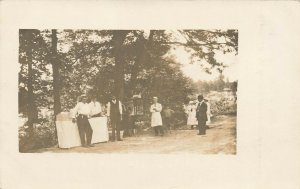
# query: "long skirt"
[[192, 120]]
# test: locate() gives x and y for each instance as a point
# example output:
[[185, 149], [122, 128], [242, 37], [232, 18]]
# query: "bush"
[[44, 136], [223, 106]]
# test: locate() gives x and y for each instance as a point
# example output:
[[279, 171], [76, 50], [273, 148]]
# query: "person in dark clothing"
[[167, 117], [114, 112], [127, 122], [201, 115]]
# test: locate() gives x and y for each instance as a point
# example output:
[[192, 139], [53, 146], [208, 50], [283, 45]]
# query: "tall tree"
[[118, 40], [56, 76], [33, 71], [32, 113]]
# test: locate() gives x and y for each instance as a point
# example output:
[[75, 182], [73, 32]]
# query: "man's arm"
[[152, 109], [75, 111]]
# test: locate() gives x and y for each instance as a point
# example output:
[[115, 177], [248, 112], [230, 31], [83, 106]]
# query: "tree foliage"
[[34, 76], [119, 62]]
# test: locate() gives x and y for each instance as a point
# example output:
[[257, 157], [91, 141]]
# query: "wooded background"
[[57, 66]]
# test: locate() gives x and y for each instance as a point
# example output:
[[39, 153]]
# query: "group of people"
[[191, 111], [84, 110], [198, 114]]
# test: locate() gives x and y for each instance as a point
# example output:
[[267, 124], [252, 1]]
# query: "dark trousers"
[[202, 127], [84, 129], [158, 129], [127, 123], [167, 122], [115, 125]]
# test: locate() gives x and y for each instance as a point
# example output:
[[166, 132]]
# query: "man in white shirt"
[[114, 112], [95, 108], [83, 111]]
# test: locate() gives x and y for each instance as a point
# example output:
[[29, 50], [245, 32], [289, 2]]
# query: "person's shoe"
[[85, 146], [120, 139], [91, 145]]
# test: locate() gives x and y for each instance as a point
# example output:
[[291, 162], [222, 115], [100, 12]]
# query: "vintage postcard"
[[164, 95]]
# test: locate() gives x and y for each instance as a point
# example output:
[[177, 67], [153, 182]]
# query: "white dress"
[[156, 120], [191, 111], [208, 113]]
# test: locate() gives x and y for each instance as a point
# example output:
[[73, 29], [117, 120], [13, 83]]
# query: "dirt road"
[[220, 138]]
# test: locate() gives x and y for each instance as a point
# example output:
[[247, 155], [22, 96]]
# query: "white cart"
[[68, 135]]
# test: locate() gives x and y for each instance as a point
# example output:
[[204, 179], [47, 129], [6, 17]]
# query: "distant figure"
[[191, 112], [95, 108], [156, 120], [82, 112], [114, 112], [167, 117], [208, 113], [201, 115], [127, 122]]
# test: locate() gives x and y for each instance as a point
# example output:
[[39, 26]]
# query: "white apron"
[[156, 120]]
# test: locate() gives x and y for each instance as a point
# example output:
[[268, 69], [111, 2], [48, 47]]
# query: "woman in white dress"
[[208, 112], [156, 120], [191, 112]]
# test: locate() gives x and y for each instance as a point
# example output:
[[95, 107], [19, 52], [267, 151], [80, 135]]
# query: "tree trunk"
[[56, 76], [30, 97], [141, 58], [118, 39]]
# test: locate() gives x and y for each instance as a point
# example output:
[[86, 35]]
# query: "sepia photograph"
[[128, 91], [149, 94]]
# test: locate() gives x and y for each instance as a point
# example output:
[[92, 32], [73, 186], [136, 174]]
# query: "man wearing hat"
[[201, 115], [114, 112], [83, 112], [156, 120]]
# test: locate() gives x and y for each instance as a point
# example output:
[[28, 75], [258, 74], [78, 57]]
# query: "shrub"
[[223, 106], [44, 136]]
